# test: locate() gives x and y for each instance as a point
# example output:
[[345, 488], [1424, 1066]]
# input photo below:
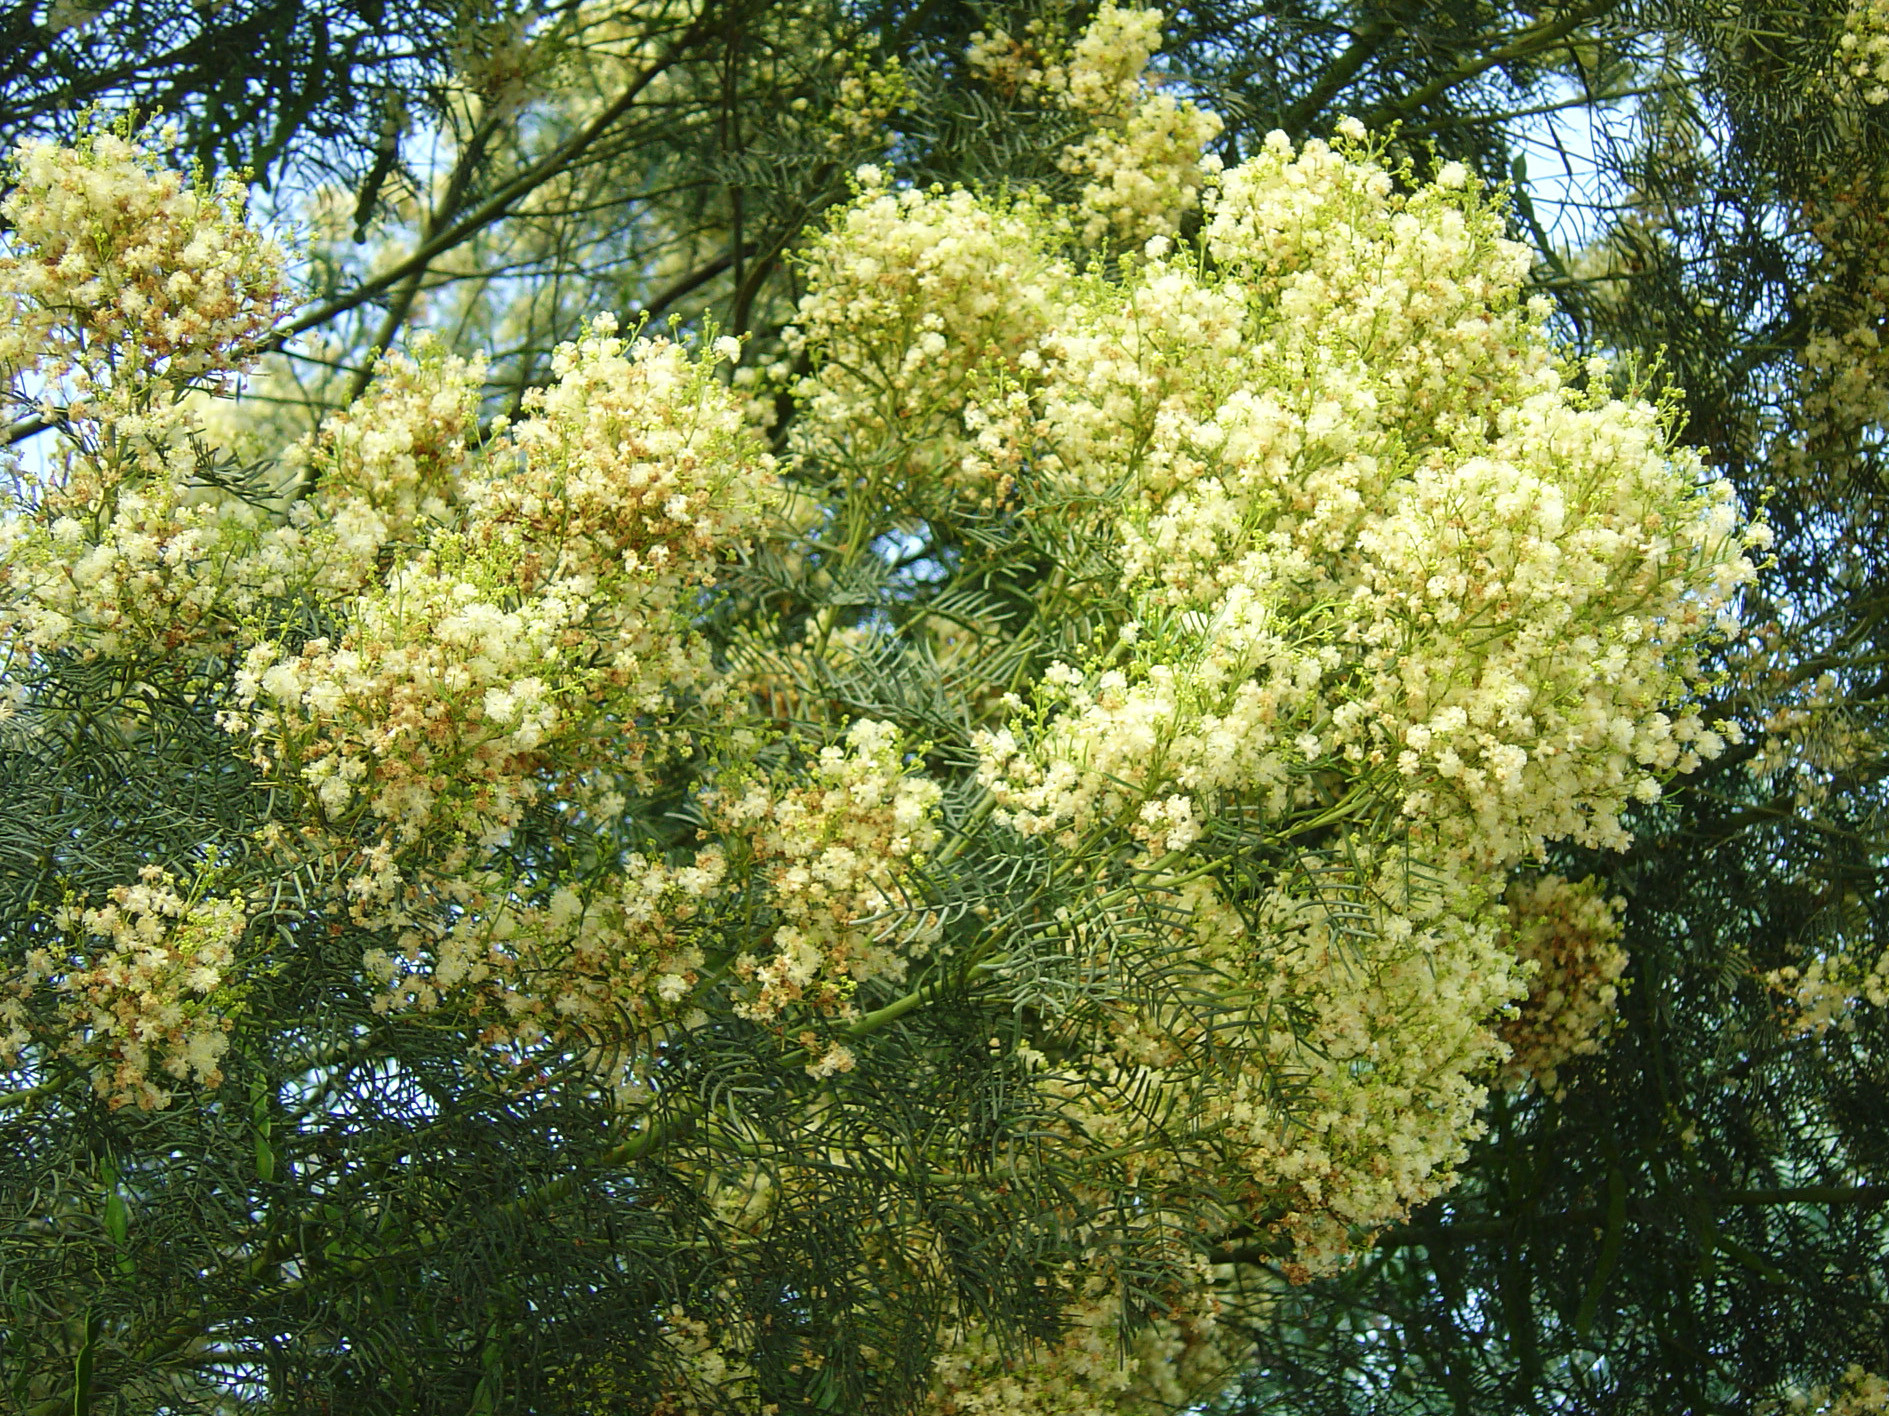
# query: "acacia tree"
[[928, 887], [1697, 1223], [1699, 1206]]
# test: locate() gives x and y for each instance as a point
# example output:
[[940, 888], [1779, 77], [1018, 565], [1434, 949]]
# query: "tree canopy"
[[835, 709]]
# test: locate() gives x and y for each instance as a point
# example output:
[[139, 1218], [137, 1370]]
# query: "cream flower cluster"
[[1570, 933], [509, 616], [379, 476], [142, 987], [1142, 159], [1863, 49], [869, 93], [1349, 1021], [634, 462], [428, 711], [915, 299], [116, 273], [1407, 604], [1825, 991], [1342, 1092], [601, 960], [1020, 66], [830, 854], [1143, 164], [835, 854], [1393, 459], [1227, 713], [133, 548], [1845, 365], [1842, 397], [524, 642], [153, 572], [1859, 1393], [402, 452], [1385, 605], [1097, 1368], [120, 289]]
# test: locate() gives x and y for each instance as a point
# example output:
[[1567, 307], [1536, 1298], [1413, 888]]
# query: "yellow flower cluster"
[[1227, 714], [1097, 1368], [869, 93], [1142, 159], [1859, 1393], [397, 460], [141, 989], [1406, 602], [1845, 377], [151, 569], [1570, 934], [1863, 49], [516, 647], [121, 289], [831, 854], [1842, 393], [1390, 470], [121, 279], [835, 855], [915, 300], [1825, 991], [1819, 732], [1386, 605], [1812, 734]]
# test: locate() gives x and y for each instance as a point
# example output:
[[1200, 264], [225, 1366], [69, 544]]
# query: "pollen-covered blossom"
[[1863, 49], [1096, 1368], [1859, 1393], [634, 462], [117, 271], [120, 289], [1570, 932], [527, 638], [430, 709], [139, 988], [916, 300], [1405, 607], [131, 546], [830, 856], [835, 855], [1142, 159]]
